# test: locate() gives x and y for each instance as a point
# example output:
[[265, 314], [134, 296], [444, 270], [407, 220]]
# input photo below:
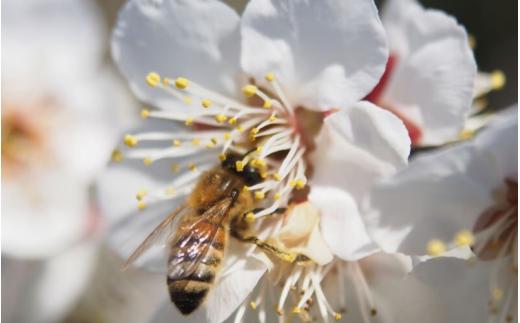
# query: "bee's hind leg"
[[285, 255]]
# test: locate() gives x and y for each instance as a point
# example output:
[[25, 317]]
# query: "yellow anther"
[[279, 310], [268, 104], [232, 121], [227, 136], [147, 161], [259, 148], [269, 76], [254, 163], [260, 163], [130, 140], [300, 184], [214, 140], [249, 90], [277, 177], [153, 79], [189, 122], [435, 247], [166, 81], [117, 155], [250, 217], [192, 167], [210, 145], [245, 189], [337, 316], [466, 134], [175, 168], [292, 183], [181, 83], [498, 79], [141, 205], [464, 238], [176, 142], [297, 310], [497, 294], [253, 305], [239, 128], [169, 191], [272, 117], [195, 141], [264, 175], [222, 157], [141, 194], [259, 195], [206, 103], [277, 196], [145, 113], [220, 118], [254, 131], [239, 165], [373, 312], [188, 100]]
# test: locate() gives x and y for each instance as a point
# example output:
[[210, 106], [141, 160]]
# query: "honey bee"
[[215, 208]]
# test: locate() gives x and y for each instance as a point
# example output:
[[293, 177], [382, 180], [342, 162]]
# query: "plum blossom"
[[280, 87], [463, 196], [429, 81]]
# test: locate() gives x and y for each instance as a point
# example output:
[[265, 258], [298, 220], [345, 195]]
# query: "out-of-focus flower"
[[464, 196], [56, 123], [302, 68], [430, 75]]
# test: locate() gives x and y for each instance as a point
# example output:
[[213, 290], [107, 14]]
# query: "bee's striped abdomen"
[[194, 263]]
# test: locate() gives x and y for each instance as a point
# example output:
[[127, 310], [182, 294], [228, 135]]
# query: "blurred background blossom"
[[63, 109]]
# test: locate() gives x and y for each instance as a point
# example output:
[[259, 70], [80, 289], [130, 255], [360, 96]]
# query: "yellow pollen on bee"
[[435, 247], [239, 165], [141, 205], [259, 195], [497, 294], [253, 305], [195, 141], [268, 104], [141, 194], [249, 90], [498, 79], [116, 156], [220, 118], [227, 136], [464, 238], [181, 83], [169, 191], [176, 142], [145, 113], [153, 79], [189, 122], [269, 77], [277, 177], [206, 103], [175, 168], [147, 161], [337, 316], [222, 157], [188, 100], [277, 196], [192, 167], [130, 140], [300, 183], [250, 217], [232, 121]]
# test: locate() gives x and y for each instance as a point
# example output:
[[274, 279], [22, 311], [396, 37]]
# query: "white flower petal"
[[358, 146], [197, 39], [443, 192], [432, 82], [341, 224], [327, 54]]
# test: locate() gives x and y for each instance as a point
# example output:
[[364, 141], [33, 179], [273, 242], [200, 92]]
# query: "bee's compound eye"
[[251, 176]]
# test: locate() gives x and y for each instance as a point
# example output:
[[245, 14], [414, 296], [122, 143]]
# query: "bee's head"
[[249, 174]]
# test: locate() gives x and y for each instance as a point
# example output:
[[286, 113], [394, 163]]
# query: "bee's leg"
[[284, 255]]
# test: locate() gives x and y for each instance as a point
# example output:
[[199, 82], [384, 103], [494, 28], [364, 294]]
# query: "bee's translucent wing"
[[165, 228], [192, 248]]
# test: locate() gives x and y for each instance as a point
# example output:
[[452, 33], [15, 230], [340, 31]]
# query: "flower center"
[[267, 132]]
